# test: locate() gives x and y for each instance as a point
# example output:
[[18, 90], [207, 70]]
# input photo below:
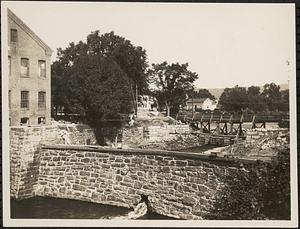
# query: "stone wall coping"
[[180, 154], [213, 135], [47, 126], [29, 126], [267, 130]]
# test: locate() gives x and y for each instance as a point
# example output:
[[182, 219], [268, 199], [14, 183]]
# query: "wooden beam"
[[253, 122]]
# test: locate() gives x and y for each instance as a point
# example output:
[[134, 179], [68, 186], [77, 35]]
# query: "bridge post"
[[240, 130], [210, 120], [219, 129], [225, 128], [253, 122], [231, 125]]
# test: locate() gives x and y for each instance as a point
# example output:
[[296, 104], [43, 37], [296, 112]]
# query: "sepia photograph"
[[149, 114]]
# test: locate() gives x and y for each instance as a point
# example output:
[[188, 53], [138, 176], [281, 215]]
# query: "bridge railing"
[[238, 117]]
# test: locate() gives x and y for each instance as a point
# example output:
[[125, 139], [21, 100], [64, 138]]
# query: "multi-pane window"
[[24, 99], [42, 99], [24, 67], [9, 65], [13, 35], [42, 68]]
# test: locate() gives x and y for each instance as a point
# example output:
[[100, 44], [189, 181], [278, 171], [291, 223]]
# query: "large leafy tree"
[[97, 78], [284, 100], [203, 93], [173, 82], [272, 96], [270, 99], [255, 99], [234, 99], [131, 59]]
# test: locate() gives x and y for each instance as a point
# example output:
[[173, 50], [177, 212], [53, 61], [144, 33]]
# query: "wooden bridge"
[[228, 123]]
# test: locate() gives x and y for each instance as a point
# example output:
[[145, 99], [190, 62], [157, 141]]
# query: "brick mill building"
[[29, 75]]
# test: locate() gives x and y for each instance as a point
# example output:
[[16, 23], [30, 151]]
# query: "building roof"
[[196, 100], [38, 40]]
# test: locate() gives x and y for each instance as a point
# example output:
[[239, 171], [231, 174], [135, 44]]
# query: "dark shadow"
[[107, 132], [30, 178], [263, 193]]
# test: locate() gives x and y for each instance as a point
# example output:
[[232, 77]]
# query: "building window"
[[24, 121], [13, 35], [42, 68], [9, 98], [42, 99], [41, 120], [24, 99], [9, 65], [24, 67]]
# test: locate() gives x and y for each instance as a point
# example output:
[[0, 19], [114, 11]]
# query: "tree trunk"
[[168, 110]]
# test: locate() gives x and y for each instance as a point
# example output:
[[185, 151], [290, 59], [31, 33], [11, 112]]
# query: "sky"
[[225, 44]]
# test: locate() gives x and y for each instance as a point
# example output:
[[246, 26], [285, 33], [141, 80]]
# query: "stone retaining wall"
[[25, 143], [132, 136], [255, 135], [177, 184], [160, 133]]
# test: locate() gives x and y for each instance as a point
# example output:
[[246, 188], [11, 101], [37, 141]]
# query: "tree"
[[255, 99], [203, 93], [132, 60], [272, 96], [104, 91], [97, 78], [284, 100], [234, 99], [173, 82]]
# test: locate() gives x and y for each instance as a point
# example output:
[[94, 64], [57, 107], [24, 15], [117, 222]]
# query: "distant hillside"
[[217, 92], [284, 86]]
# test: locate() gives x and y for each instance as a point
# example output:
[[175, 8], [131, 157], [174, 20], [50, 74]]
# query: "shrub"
[[260, 192]]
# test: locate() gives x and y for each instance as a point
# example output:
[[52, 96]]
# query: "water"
[[54, 208]]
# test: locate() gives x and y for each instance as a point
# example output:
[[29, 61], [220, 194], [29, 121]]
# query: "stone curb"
[[181, 154]]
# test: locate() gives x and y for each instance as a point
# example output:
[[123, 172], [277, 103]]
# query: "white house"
[[201, 103]]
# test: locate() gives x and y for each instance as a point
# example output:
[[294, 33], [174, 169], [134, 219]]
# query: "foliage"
[[131, 59], [270, 99], [202, 93], [173, 83], [271, 95], [97, 88], [276, 187], [259, 193], [255, 99], [283, 104], [234, 99], [96, 78]]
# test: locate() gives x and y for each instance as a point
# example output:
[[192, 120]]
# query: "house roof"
[[196, 100], [38, 40]]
